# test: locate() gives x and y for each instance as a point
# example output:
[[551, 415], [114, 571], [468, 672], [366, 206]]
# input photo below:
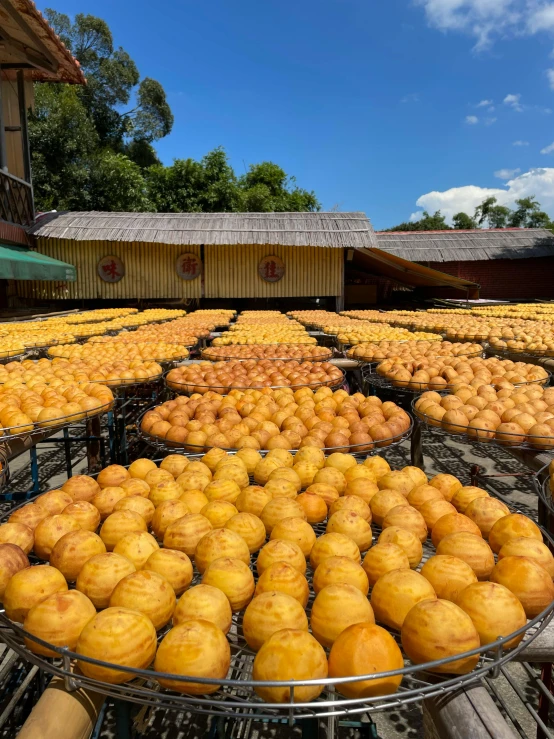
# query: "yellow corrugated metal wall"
[[229, 271], [149, 271], [232, 271]]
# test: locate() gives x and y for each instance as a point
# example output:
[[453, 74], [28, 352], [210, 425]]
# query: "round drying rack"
[[168, 361], [483, 436], [371, 360], [113, 384], [187, 388], [209, 356], [236, 697], [371, 376], [137, 340], [519, 354], [360, 451], [53, 424]]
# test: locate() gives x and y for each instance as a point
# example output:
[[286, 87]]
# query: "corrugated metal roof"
[[342, 230], [468, 246]]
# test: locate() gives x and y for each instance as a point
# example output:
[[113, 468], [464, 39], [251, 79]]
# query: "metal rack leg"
[[112, 437], [95, 449], [544, 703], [67, 450], [122, 719], [34, 469], [416, 447]]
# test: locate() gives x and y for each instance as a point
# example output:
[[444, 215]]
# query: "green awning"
[[19, 263]]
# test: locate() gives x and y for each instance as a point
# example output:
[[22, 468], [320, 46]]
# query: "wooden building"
[[508, 263], [213, 256], [30, 52]]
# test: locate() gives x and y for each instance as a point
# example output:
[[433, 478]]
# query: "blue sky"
[[374, 104]]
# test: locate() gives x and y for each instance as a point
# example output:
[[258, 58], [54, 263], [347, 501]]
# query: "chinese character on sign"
[[271, 269], [188, 266], [111, 269]]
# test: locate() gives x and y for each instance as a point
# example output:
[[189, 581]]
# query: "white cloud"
[[487, 20], [490, 121], [538, 182], [484, 104], [482, 19], [548, 149], [412, 97], [550, 77], [541, 18], [472, 120], [513, 101], [520, 143], [506, 174]]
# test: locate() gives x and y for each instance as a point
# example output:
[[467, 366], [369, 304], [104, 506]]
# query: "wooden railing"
[[16, 200]]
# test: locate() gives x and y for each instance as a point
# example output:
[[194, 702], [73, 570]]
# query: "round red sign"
[[188, 266], [271, 269], [111, 269]]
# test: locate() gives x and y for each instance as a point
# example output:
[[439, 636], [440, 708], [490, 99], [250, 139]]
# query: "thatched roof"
[[468, 246], [293, 229], [29, 42]]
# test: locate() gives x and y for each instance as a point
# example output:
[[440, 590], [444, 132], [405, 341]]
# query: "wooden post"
[[24, 127], [63, 715], [3, 150]]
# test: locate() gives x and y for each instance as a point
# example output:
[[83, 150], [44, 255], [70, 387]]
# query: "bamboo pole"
[[63, 715]]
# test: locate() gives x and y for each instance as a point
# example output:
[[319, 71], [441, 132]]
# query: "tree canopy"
[[92, 147], [526, 214]]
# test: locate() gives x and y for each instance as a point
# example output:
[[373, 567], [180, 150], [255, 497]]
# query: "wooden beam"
[[470, 712], [38, 61], [62, 715], [22, 23], [541, 648]]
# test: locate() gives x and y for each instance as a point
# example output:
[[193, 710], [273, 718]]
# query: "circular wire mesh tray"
[[483, 436], [379, 382], [186, 388], [113, 384], [519, 353], [38, 345], [208, 354], [54, 424], [365, 360], [236, 697], [542, 486], [4, 468], [364, 450], [371, 376]]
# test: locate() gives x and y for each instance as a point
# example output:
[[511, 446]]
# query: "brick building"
[[507, 263]]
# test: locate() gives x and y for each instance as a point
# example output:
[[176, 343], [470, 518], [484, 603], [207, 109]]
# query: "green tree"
[[499, 216], [116, 183], [496, 216], [211, 186], [482, 211], [462, 221], [525, 212], [266, 187], [63, 141], [92, 147], [112, 80], [427, 222]]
